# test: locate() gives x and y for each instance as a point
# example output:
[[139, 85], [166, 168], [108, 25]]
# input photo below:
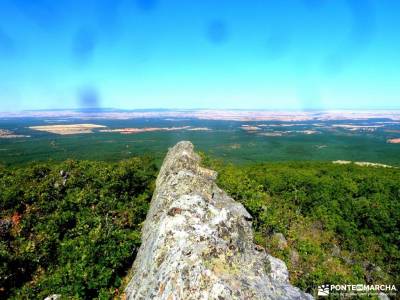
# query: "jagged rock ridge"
[[197, 242]]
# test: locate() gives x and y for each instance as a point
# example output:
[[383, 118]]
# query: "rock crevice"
[[197, 242]]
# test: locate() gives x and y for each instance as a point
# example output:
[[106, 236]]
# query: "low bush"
[[71, 228], [341, 224]]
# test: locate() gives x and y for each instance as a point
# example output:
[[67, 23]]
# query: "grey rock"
[[335, 250], [197, 242], [282, 242], [53, 297], [383, 296], [5, 227], [294, 257], [278, 271], [64, 176]]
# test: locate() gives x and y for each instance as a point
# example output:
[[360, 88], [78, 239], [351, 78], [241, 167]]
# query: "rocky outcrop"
[[197, 242]]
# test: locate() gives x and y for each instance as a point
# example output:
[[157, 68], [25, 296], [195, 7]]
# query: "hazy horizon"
[[86, 114], [178, 109]]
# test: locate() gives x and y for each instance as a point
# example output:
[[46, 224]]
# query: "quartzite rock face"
[[197, 242]]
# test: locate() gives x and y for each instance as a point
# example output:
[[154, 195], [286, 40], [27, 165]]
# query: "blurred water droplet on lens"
[[108, 17], [83, 45], [88, 98], [313, 4], [358, 39], [309, 96], [41, 12], [146, 5], [7, 44], [363, 20], [333, 64], [277, 45], [217, 32]]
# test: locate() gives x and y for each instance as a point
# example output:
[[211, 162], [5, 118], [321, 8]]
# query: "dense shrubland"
[[330, 223], [73, 228]]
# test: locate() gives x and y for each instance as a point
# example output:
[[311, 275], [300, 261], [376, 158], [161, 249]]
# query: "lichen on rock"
[[197, 242]]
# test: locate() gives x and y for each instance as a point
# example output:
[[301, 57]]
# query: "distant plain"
[[236, 141]]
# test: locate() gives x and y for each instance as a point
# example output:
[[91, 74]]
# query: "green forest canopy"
[[73, 228]]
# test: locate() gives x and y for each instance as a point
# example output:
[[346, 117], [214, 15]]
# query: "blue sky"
[[286, 54]]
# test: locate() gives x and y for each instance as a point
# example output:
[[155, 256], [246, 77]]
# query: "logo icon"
[[323, 290]]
